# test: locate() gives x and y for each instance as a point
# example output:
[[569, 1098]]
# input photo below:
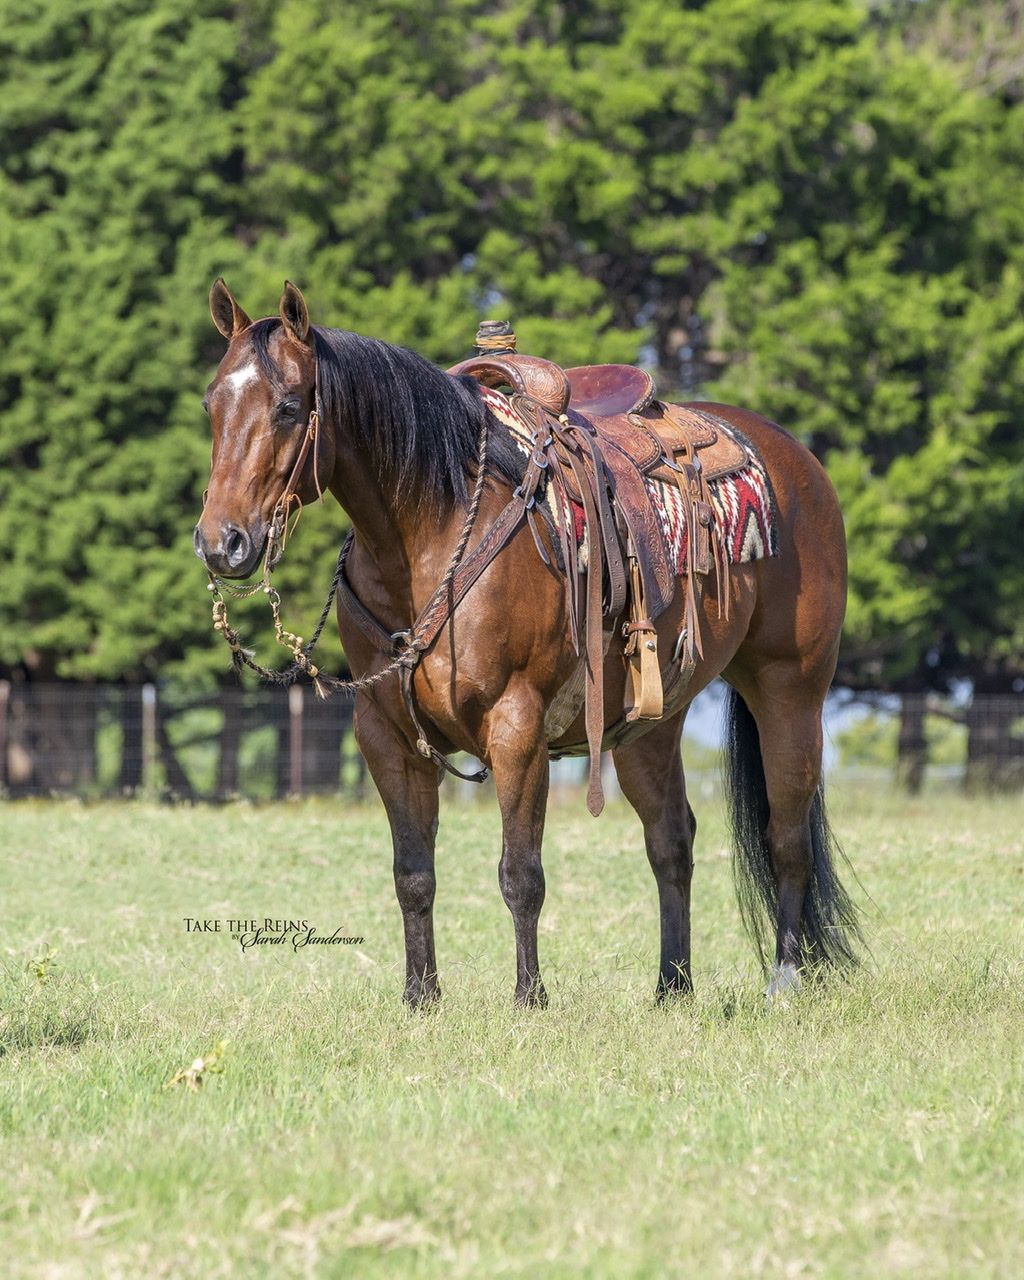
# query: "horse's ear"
[[228, 316], [294, 312]]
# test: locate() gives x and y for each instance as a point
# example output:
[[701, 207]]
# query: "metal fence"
[[95, 740], [267, 743]]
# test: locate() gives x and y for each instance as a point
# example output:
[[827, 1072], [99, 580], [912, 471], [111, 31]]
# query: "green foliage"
[[807, 207], [116, 186], [872, 740], [880, 317]]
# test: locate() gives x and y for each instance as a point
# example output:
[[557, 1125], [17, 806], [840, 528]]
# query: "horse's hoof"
[[785, 978], [532, 997], [422, 996], [666, 992]]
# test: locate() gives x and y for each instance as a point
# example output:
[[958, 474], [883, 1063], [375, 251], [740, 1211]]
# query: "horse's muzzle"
[[235, 554]]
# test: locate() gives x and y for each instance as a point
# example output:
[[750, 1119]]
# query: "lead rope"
[[409, 653]]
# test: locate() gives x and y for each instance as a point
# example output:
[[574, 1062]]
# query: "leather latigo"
[[646, 541]]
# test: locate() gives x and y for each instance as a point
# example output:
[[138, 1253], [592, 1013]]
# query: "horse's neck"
[[402, 550]]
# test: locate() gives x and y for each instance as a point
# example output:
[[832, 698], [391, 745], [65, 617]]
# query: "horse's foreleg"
[[408, 786], [519, 758], [650, 772]]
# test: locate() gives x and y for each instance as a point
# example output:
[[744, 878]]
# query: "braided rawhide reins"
[[409, 645]]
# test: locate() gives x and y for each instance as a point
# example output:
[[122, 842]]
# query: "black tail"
[[830, 929]]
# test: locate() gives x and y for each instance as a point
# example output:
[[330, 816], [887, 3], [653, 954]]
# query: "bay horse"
[[397, 446]]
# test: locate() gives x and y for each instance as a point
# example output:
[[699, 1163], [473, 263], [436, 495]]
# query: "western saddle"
[[597, 436]]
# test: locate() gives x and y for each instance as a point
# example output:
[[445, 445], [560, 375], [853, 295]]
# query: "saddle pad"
[[744, 508], [743, 502]]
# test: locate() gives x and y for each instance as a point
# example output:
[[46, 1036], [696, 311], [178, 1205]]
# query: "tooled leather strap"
[[558, 448], [594, 699], [427, 627]]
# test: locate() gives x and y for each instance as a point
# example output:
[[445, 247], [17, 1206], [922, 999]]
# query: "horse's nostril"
[[236, 545], [199, 543]]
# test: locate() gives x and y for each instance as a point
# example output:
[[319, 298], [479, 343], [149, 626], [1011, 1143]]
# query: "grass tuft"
[[45, 1008]]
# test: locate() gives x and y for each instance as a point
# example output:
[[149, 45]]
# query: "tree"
[[802, 205], [116, 185], [890, 329]]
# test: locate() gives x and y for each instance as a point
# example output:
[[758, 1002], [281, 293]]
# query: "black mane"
[[420, 426]]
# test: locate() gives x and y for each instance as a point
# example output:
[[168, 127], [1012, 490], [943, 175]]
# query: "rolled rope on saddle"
[[495, 337]]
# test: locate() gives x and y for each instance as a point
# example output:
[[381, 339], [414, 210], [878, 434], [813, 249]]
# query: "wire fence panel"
[[95, 740], [267, 743]]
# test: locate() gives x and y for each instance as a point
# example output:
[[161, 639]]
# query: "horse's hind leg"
[[650, 773], [779, 818], [792, 775]]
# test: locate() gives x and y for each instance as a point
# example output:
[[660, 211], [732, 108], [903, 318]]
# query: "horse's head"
[[259, 405]]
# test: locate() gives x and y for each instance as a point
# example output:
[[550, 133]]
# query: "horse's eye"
[[206, 404], [288, 410]]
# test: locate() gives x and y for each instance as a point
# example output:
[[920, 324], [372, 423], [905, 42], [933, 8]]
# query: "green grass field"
[[874, 1128]]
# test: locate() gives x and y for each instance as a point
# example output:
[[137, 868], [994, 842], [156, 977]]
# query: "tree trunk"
[[912, 746], [52, 739], [176, 780], [5, 698], [279, 718], [325, 725], [20, 758], [79, 745]]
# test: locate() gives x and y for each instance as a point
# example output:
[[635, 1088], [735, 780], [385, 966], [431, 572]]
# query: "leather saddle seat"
[[618, 401], [594, 390], [604, 390]]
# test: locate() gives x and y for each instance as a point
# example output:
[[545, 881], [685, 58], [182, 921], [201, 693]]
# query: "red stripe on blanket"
[[743, 511]]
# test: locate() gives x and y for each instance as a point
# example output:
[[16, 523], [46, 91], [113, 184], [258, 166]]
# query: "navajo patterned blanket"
[[744, 512], [743, 502]]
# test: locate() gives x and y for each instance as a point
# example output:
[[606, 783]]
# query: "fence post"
[[5, 697], [295, 740], [149, 746]]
